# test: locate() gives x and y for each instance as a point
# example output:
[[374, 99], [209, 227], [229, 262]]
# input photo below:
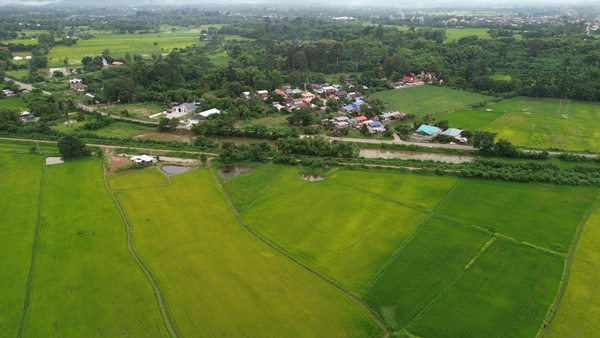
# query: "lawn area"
[[579, 309], [454, 34], [423, 100], [120, 44], [343, 232], [470, 119], [17, 74], [219, 280], [135, 110], [85, 283], [505, 293], [501, 77], [274, 122], [526, 212], [548, 124], [20, 186], [219, 58], [13, 102], [115, 129]]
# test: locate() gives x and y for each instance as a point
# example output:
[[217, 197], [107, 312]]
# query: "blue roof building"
[[425, 129]]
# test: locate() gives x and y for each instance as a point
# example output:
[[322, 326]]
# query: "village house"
[[428, 130], [181, 110], [8, 92], [246, 95], [27, 116], [375, 127], [77, 85], [143, 159], [394, 115], [456, 134], [263, 94], [307, 96], [197, 118]]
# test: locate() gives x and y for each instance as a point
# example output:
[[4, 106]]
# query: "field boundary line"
[[405, 243], [501, 235], [427, 306], [564, 281], [481, 251], [281, 251], [155, 286], [36, 232], [381, 196]]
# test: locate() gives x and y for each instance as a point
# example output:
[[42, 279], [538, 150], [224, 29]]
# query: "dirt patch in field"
[[174, 169], [229, 172], [312, 177]]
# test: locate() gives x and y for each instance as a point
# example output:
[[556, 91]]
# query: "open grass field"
[[14, 102], [20, 184], [548, 123], [136, 110], [219, 280], [84, 282], [115, 129], [454, 34], [579, 309], [274, 122], [429, 99], [120, 44], [219, 58], [470, 119], [336, 229]]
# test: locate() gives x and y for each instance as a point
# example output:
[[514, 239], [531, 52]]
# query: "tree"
[[70, 146], [364, 129], [484, 140]]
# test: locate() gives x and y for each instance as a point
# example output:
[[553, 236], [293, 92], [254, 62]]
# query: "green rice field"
[[423, 100], [470, 119], [212, 270], [361, 253], [488, 255]]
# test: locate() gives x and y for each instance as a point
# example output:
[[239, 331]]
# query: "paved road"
[[113, 146], [25, 85]]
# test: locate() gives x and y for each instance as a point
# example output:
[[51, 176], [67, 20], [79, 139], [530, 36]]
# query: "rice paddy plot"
[[219, 280], [20, 184], [540, 214], [505, 293], [343, 233], [454, 34], [428, 264], [84, 282], [548, 124], [423, 100], [120, 44], [470, 119], [579, 309], [414, 190]]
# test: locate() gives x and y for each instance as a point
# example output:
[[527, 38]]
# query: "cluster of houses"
[[295, 98], [374, 126], [411, 80]]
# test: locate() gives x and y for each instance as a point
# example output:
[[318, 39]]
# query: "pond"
[[229, 172], [413, 155]]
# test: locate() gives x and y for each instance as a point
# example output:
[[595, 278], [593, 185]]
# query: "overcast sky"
[[393, 3]]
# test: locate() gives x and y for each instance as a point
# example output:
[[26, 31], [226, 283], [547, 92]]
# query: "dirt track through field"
[[155, 287]]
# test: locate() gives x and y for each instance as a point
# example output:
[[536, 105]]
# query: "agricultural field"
[[211, 269], [76, 250], [120, 44], [455, 34], [470, 119], [547, 124], [429, 99], [140, 111], [219, 58], [489, 255], [13, 102], [115, 129], [274, 122], [579, 309]]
